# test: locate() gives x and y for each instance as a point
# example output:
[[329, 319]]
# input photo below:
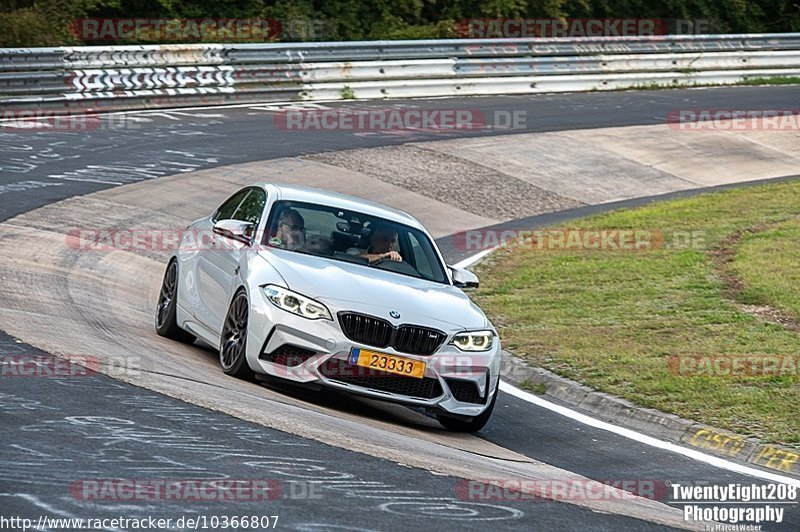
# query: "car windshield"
[[353, 237]]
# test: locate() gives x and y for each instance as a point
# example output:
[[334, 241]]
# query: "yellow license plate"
[[390, 363]]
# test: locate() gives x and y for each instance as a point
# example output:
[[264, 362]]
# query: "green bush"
[[48, 22]]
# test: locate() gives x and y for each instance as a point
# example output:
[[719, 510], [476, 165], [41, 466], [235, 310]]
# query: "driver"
[[382, 242], [290, 232]]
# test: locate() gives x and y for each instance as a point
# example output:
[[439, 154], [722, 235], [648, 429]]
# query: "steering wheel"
[[397, 267]]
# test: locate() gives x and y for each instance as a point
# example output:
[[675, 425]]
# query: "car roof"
[[341, 201]]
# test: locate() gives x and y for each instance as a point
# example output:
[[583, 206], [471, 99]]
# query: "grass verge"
[[683, 84], [619, 320], [768, 264], [773, 80]]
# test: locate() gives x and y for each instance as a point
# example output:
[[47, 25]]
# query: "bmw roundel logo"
[[395, 314]]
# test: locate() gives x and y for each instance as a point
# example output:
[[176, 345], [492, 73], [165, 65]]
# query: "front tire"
[[473, 424], [233, 344], [166, 322]]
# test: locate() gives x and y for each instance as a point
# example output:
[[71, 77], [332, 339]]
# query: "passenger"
[[382, 244]]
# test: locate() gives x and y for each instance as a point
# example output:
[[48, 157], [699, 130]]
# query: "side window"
[[252, 206], [227, 209]]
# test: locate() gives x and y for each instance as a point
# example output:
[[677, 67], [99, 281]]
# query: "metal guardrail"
[[155, 76]]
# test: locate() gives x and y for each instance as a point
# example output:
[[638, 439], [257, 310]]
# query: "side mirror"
[[235, 230], [463, 278]]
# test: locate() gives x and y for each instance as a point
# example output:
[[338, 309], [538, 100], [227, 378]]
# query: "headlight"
[[296, 304], [474, 341]]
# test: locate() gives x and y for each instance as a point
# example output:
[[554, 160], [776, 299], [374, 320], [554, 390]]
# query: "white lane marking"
[[22, 186], [194, 115], [87, 180], [164, 114], [642, 438], [469, 261], [164, 110], [298, 106], [628, 433]]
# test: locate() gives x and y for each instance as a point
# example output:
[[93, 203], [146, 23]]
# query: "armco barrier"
[[130, 77]]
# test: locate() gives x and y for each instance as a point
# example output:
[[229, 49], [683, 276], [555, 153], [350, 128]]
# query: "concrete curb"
[[668, 427]]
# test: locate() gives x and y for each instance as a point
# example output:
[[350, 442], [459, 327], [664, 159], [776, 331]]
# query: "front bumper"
[[454, 381]]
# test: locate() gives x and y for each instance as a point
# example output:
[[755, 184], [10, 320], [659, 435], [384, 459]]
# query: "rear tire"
[[165, 319], [233, 343], [465, 424]]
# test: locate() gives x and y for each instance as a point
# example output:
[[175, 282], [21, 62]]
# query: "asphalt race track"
[[66, 163], [61, 431]]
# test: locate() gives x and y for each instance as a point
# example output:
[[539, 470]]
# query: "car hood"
[[347, 286]]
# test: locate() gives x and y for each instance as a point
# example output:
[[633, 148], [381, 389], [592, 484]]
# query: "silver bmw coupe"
[[326, 289]]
